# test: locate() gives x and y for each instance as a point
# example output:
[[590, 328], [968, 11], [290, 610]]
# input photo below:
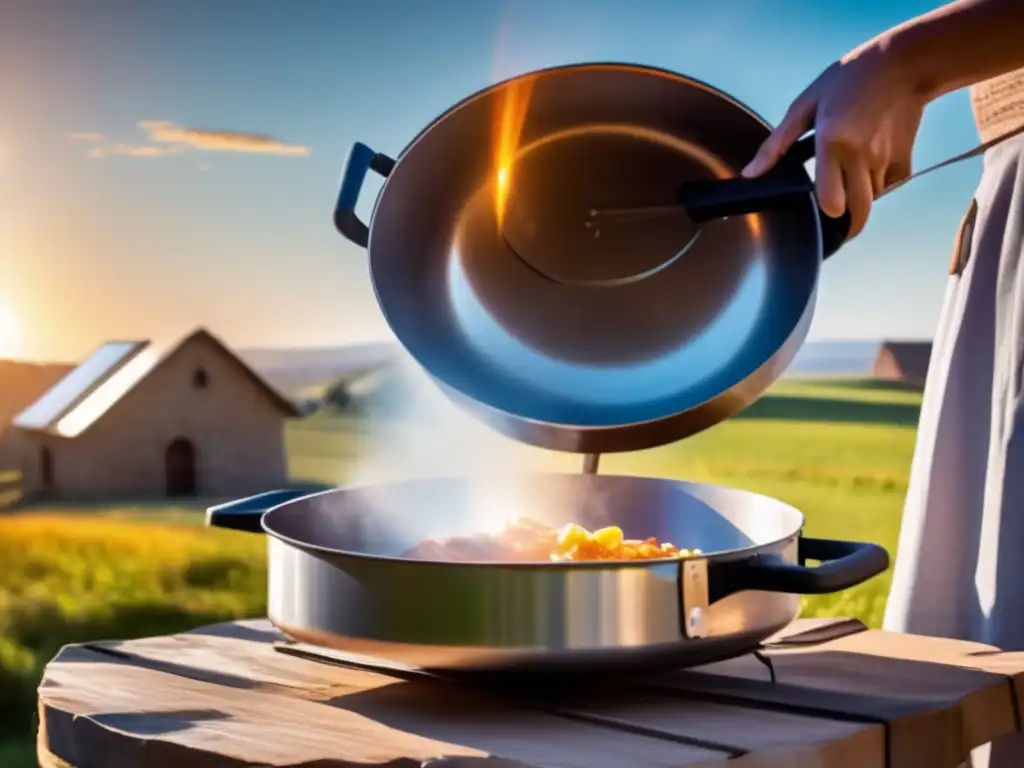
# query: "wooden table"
[[238, 695]]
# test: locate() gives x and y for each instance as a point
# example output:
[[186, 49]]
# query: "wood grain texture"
[[225, 696], [938, 698]]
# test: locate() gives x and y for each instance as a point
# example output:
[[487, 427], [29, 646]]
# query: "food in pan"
[[524, 541]]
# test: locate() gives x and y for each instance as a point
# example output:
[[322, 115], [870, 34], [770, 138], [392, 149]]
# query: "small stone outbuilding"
[[903, 361], [137, 420]]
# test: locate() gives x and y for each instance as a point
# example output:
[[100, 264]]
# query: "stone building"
[[137, 420]]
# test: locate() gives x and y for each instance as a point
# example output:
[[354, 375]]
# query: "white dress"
[[959, 569]]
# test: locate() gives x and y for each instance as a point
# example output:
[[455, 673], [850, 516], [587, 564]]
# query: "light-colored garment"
[[959, 569]]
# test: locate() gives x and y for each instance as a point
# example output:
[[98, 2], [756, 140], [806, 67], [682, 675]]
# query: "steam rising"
[[412, 430]]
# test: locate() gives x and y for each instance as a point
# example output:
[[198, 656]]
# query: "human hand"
[[865, 112]]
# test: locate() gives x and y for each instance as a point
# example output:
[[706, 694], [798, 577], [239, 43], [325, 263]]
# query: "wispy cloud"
[[163, 132], [166, 138], [133, 150], [90, 136]]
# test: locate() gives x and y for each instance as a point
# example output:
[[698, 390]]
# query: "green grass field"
[[840, 451]]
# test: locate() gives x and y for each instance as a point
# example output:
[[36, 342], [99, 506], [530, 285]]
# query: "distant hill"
[[298, 370], [294, 371]]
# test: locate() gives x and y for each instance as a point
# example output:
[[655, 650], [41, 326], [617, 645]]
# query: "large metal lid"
[[564, 339]]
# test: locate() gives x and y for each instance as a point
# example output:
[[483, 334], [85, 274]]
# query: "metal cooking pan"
[[561, 339], [655, 330], [338, 579]]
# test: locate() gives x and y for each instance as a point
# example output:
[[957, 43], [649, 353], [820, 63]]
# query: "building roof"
[[23, 383], [80, 398], [912, 357]]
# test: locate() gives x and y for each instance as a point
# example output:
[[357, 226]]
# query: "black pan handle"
[[247, 514], [360, 160], [844, 564], [802, 150], [717, 198]]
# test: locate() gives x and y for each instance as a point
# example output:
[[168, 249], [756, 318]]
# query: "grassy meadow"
[[840, 451]]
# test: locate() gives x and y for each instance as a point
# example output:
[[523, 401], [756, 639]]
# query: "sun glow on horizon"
[[10, 332]]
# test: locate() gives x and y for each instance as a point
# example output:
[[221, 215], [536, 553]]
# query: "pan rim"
[[724, 555]]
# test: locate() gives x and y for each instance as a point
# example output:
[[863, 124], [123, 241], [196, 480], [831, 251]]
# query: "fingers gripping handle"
[[833, 231], [836, 230], [361, 159]]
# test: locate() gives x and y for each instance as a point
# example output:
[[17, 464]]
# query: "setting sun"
[[10, 331]]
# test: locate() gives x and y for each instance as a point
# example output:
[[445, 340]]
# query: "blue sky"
[[139, 246]]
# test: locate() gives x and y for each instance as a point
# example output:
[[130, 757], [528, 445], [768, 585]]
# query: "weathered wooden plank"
[[939, 698], [220, 692], [241, 655], [94, 707], [776, 739]]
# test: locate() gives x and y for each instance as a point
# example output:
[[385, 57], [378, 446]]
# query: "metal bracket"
[[693, 596], [767, 661]]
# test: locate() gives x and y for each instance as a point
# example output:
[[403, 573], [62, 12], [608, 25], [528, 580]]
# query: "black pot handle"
[[360, 160], [844, 564], [707, 200], [247, 514]]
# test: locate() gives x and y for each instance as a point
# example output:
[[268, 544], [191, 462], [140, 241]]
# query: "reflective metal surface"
[[558, 182], [576, 343], [349, 593]]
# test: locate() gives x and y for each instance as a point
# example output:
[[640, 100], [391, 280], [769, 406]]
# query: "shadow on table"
[[144, 724], [829, 684]]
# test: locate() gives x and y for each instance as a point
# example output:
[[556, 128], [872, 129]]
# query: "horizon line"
[[26, 360]]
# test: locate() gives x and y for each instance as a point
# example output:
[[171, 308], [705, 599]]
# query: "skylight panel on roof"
[[77, 384]]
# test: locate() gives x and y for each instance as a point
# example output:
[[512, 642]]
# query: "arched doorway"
[[180, 468]]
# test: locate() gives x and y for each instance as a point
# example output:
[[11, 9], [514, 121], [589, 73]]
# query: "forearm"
[[957, 45]]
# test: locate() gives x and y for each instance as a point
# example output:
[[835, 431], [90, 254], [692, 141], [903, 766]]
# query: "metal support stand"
[[590, 462]]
